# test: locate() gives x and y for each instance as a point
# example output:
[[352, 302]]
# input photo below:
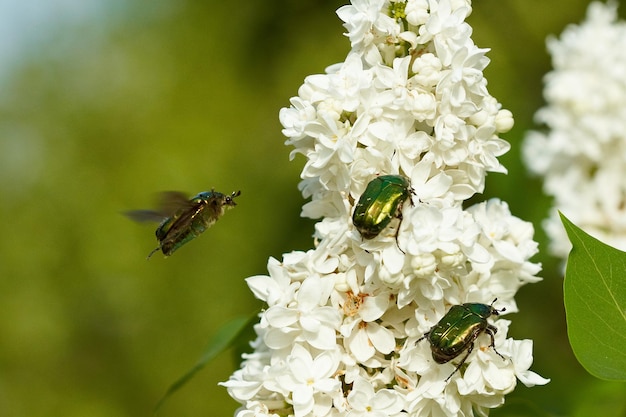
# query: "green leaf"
[[595, 304], [225, 338]]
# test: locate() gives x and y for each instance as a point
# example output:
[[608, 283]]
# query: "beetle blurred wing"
[[171, 202], [145, 216]]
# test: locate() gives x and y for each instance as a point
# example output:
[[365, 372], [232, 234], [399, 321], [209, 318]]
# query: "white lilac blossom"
[[339, 334], [582, 153]]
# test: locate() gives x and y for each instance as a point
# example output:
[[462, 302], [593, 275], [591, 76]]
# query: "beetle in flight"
[[183, 219]]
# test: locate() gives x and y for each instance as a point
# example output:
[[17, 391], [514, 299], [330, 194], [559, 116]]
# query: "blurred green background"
[[104, 103]]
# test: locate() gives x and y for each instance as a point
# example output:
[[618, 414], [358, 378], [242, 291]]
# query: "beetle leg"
[[422, 338], [158, 248], [397, 244], [469, 350], [399, 217], [492, 330], [413, 193]]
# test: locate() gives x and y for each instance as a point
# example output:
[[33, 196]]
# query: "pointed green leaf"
[[595, 304], [223, 339]]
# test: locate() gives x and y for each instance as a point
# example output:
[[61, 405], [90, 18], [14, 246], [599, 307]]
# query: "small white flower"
[[447, 29], [310, 380], [296, 118], [427, 69], [417, 12], [464, 80], [521, 354], [367, 25], [276, 289], [363, 336], [365, 401], [308, 318]]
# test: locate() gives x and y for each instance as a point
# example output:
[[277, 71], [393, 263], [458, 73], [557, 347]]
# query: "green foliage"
[[521, 408], [595, 302], [225, 338], [602, 398]]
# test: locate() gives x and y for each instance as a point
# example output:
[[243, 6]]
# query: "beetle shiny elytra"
[[380, 203], [183, 219], [457, 331]]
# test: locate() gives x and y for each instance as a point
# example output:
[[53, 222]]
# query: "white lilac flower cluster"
[[582, 155], [340, 331]]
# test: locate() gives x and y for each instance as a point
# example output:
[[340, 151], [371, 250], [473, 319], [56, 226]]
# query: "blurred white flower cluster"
[[582, 155], [338, 337]]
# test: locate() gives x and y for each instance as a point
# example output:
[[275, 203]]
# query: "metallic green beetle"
[[380, 203], [457, 331], [183, 219]]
